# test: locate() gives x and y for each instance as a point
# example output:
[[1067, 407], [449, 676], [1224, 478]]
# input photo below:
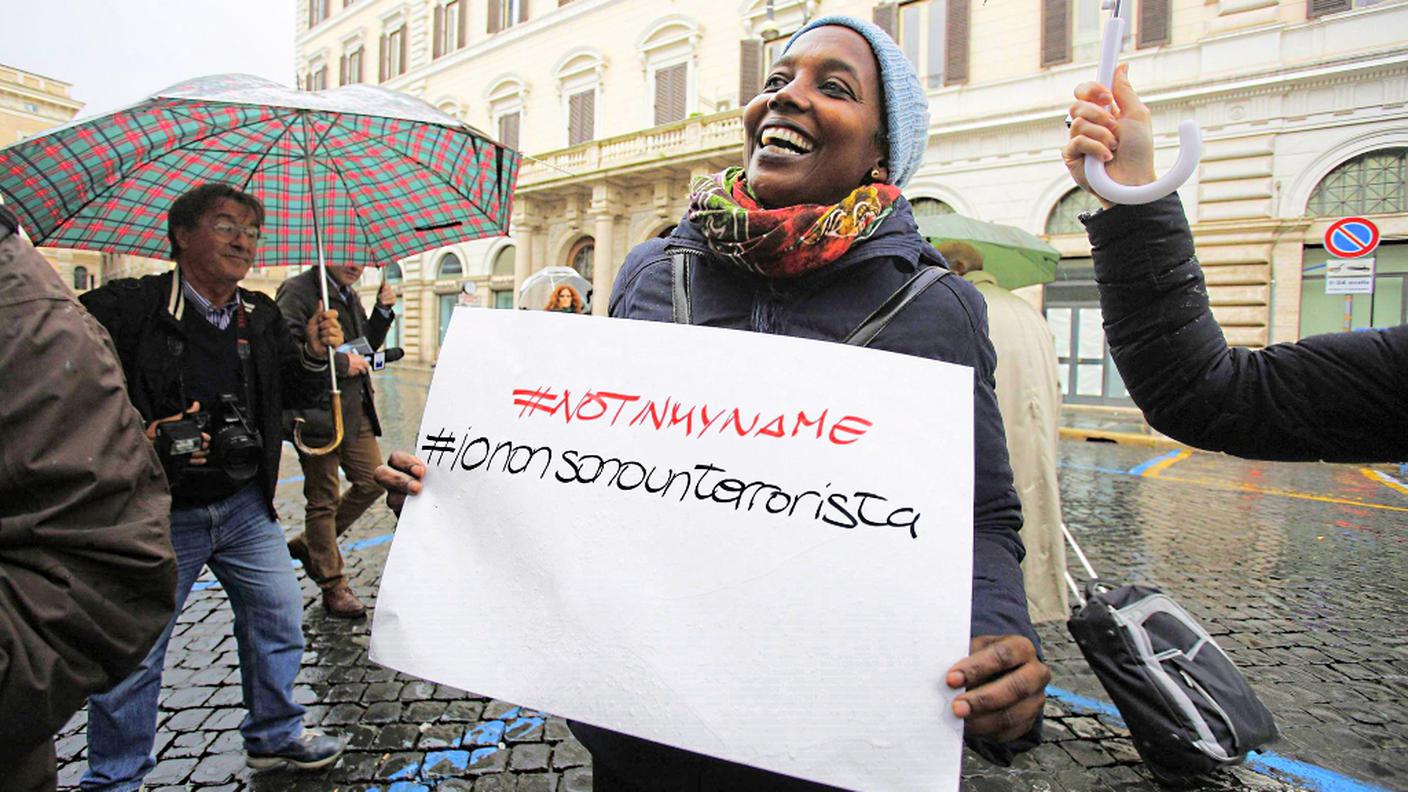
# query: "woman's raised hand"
[[400, 476], [1121, 137]]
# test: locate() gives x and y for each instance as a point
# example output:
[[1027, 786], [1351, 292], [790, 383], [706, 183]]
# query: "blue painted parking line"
[[1267, 763], [1139, 469]]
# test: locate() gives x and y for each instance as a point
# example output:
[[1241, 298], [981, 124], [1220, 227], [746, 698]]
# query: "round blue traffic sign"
[[1351, 237]]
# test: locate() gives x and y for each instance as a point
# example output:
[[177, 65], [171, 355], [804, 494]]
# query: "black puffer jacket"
[[947, 322], [143, 316], [1339, 397]]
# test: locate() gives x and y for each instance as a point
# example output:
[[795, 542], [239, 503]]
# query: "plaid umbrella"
[[356, 175], [389, 175]]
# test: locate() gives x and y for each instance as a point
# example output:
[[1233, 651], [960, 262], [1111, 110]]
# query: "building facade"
[[619, 103], [31, 103]]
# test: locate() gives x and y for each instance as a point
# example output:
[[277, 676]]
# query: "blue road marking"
[[522, 727], [1267, 763], [1138, 470], [486, 733], [457, 759], [482, 753]]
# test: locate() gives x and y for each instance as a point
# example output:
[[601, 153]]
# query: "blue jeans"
[[246, 551]]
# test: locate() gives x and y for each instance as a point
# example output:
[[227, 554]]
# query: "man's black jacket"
[[143, 316]]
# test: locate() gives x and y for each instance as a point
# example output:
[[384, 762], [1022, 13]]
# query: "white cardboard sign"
[[749, 546]]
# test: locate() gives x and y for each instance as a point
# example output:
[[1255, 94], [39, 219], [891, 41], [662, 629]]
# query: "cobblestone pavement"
[[1296, 569]]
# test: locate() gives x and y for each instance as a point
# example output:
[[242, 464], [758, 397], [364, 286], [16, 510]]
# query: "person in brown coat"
[[332, 510], [87, 572]]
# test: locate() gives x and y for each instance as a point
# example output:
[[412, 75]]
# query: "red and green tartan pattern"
[[384, 188]]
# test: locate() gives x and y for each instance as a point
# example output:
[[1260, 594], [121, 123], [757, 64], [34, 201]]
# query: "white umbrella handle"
[[1190, 137]]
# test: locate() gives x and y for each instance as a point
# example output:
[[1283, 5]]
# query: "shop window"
[[582, 257], [80, 278], [930, 207], [450, 266], [1371, 183], [1065, 216], [393, 273]]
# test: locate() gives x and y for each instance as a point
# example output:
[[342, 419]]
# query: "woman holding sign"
[[1336, 397], [812, 238]]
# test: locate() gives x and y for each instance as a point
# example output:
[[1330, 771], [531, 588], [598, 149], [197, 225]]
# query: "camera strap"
[[242, 348]]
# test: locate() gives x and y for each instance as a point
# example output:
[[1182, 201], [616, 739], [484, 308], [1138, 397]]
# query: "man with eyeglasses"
[[211, 367]]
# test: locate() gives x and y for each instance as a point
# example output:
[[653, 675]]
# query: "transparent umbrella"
[[539, 290]]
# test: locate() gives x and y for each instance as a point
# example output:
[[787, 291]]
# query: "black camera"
[[236, 447]]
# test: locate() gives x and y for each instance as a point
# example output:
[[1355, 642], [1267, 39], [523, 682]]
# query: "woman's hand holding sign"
[[1006, 686]]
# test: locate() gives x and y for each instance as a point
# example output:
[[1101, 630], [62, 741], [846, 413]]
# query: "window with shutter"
[[381, 59], [522, 10], [581, 117], [750, 70], [438, 33], [461, 22], [884, 18], [508, 129], [923, 29], [1318, 8], [956, 42], [670, 85], [496, 16], [1055, 32], [1154, 23]]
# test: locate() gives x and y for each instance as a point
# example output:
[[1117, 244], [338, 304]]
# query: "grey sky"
[[116, 52]]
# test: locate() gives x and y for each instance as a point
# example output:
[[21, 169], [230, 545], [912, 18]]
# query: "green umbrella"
[[1015, 257]]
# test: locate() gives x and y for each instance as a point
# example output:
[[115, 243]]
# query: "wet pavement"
[[1297, 571]]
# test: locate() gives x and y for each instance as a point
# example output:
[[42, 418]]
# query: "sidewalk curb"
[[1122, 438]]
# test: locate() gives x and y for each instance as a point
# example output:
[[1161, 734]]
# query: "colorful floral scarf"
[[785, 242]]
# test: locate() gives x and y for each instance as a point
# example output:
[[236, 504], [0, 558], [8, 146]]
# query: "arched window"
[[1065, 216], [449, 267], [80, 278], [505, 260], [1371, 183], [582, 256], [930, 207], [393, 273]]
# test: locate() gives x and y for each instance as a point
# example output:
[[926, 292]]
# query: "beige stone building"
[[31, 103], [619, 102]]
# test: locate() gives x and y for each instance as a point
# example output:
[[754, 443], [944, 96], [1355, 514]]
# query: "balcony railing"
[[697, 135]]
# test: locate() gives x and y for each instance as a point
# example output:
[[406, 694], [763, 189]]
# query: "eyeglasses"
[[228, 230]]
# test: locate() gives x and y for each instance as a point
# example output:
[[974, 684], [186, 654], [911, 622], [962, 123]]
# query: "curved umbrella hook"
[[1190, 137]]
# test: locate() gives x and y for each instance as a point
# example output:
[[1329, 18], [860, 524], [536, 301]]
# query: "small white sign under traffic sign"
[[1349, 276], [745, 545]]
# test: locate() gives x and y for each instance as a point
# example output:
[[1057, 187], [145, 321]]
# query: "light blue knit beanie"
[[906, 104]]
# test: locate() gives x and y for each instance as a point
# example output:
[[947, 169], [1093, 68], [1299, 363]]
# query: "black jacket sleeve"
[[378, 324], [1336, 397]]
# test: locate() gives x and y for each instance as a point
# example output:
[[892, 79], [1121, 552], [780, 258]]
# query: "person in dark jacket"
[[188, 338], [1337, 397], [808, 240], [87, 573], [330, 511]]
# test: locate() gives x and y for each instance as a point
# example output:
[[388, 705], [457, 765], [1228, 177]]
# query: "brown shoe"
[[341, 603]]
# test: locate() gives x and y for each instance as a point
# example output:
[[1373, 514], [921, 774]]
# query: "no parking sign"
[[1351, 237]]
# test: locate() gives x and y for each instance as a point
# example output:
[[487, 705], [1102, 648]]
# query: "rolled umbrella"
[[1014, 257], [358, 175]]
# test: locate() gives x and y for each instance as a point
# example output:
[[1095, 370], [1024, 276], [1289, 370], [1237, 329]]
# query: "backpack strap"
[[862, 335], [679, 287], [867, 330]]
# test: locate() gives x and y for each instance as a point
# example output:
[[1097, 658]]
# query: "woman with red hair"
[[565, 299]]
